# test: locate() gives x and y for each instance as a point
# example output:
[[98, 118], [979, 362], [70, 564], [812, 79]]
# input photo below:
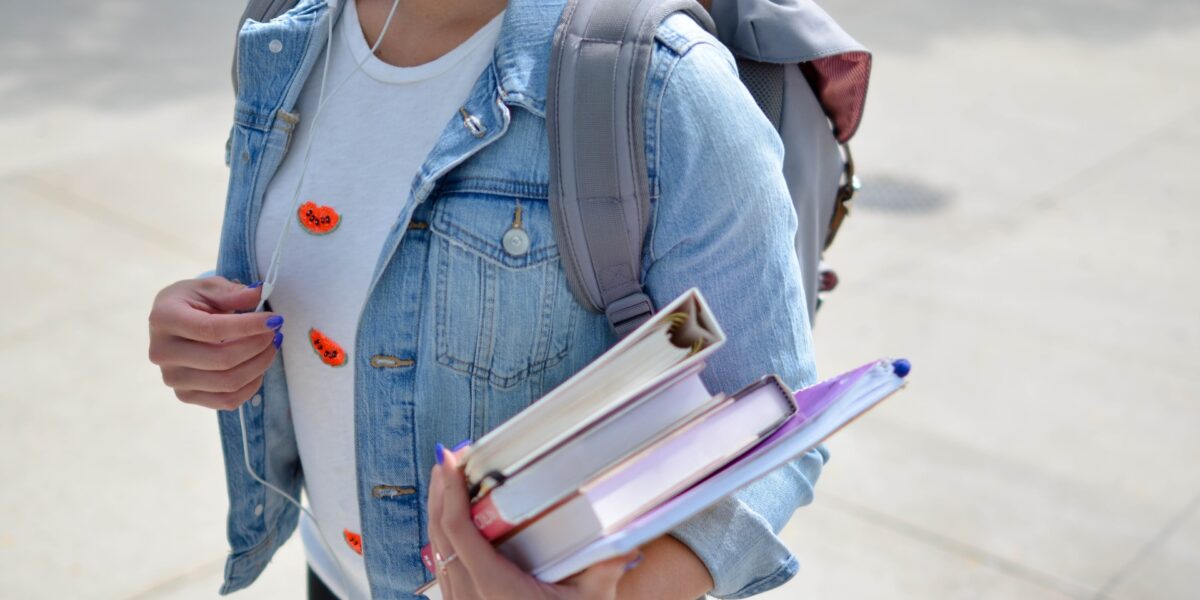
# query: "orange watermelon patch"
[[329, 351], [318, 220], [353, 540]]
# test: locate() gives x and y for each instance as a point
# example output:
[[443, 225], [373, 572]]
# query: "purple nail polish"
[[439, 452], [461, 445], [256, 284], [633, 564], [275, 322], [278, 339]]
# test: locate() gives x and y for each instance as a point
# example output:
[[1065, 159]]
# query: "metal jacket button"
[[516, 242], [472, 123]]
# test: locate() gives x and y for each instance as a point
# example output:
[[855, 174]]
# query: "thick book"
[[654, 475], [647, 418], [681, 334]]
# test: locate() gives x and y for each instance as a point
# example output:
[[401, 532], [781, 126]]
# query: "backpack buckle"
[[841, 207], [627, 313]]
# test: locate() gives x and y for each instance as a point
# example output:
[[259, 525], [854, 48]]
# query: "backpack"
[[792, 57]]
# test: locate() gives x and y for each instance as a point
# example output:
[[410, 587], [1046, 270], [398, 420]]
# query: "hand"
[[210, 356], [479, 572]]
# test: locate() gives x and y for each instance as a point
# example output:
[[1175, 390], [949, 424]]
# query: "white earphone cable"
[[277, 255], [272, 273]]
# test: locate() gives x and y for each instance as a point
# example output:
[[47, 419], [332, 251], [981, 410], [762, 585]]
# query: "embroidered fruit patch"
[[353, 540], [329, 351], [318, 220]]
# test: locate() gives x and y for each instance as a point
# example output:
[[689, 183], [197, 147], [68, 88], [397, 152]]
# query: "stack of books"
[[634, 444]]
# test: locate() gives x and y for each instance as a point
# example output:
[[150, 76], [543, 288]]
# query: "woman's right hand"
[[210, 353]]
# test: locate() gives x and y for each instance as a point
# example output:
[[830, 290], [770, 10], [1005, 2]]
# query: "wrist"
[[668, 571]]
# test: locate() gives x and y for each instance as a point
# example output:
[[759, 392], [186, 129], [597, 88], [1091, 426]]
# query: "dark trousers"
[[317, 590]]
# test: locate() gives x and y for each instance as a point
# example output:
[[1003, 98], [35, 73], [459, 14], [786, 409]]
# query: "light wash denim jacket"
[[457, 335]]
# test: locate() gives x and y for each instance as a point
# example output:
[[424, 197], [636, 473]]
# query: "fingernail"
[[278, 340], [439, 452], [256, 284], [461, 445], [275, 321], [633, 564]]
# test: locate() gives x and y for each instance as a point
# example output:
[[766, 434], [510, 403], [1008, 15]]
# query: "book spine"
[[488, 520], [427, 558]]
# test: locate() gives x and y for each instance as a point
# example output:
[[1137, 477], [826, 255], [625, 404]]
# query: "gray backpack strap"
[[261, 11], [599, 187]]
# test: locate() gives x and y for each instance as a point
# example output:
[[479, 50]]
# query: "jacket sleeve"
[[723, 221]]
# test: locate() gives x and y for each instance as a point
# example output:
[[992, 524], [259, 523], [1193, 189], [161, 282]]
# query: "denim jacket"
[[457, 335]]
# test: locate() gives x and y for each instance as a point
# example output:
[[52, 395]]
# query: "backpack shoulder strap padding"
[[599, 187]]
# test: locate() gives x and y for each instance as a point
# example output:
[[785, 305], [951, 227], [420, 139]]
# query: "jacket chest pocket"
[[504, 312]]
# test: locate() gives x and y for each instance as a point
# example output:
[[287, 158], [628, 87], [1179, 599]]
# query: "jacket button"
[[392, 491], [275, 46], [258, 510], [516, 242], [385, 361], [256, 400]]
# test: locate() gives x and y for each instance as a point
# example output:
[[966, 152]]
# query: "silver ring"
[[442, 563]]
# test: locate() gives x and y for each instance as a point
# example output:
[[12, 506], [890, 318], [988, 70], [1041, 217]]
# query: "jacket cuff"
[[737, 539]]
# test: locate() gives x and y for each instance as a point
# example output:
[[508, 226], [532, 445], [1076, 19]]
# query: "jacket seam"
[[662, 93]]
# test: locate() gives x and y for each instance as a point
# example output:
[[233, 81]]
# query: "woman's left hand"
[[471, 569]]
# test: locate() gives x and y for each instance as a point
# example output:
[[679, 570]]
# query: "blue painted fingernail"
[[278, 340], [438, 452], [275, 321], [461, 445], [256, 284]]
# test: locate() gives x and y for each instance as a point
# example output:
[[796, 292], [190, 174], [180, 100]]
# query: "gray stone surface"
[[1029, 238]]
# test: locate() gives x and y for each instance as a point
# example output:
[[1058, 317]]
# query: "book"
[[639, 483], [681, 334], [821, 411], [545, 482]]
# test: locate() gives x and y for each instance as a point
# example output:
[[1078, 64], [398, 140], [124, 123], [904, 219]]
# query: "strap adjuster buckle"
[[627, 313]]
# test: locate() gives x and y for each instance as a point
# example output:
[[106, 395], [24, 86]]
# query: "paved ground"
[[1030, 242]]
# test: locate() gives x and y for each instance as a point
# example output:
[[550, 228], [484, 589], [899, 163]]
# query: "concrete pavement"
[[1028, 238]]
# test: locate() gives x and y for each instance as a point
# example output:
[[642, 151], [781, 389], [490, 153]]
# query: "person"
[[401, 319]]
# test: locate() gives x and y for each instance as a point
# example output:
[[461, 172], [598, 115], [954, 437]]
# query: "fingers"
[[230, 380], [487, 568], [452, 577], [226, 401], [600, 580], [227, 296], [182, 319], [172, 351], [197, 310]]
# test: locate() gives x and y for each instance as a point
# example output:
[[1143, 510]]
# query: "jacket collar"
[[522, 55], [522, 58]]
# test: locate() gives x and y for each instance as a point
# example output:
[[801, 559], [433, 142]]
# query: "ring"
[[442, 563]]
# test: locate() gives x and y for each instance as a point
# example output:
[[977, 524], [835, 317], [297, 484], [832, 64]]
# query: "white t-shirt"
[[371, 139]]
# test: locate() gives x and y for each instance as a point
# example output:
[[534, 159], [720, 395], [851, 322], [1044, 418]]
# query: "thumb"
[[225, 296], [600, 580]]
